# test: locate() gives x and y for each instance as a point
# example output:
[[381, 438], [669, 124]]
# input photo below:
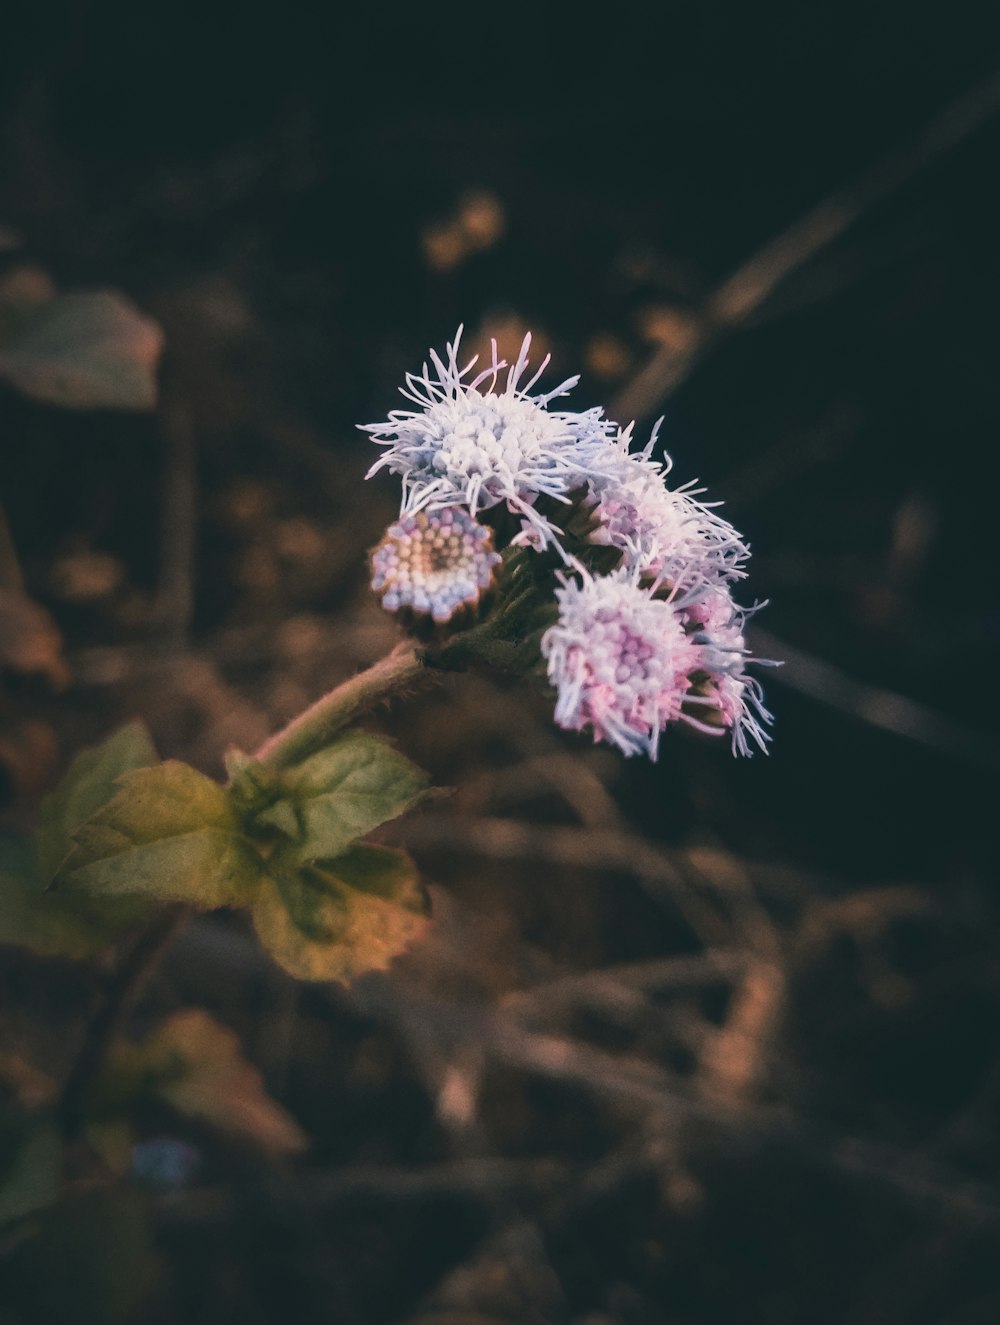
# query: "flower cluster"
[[656, 639]]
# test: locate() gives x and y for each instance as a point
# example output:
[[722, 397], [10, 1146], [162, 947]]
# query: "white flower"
[[471, 444], [434, 563], [741, 705], [662, 532], [729, 696], [620, 660]]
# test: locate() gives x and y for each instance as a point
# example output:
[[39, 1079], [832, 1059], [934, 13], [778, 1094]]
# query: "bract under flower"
[[469, 443]]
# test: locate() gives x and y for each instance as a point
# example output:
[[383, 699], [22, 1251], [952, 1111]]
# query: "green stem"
[[135, 969], [315, 727]]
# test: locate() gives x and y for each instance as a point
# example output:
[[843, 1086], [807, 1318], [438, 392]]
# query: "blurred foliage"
[[77, 351], [30, 642], [89, 1259], [63, 923], [30, 1163], [196, 1066]]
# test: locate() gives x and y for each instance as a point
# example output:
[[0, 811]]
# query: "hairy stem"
[[315, 727], [134, 970]]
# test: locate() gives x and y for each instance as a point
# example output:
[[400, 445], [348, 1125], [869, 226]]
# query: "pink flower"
[[620, 660], [625, 660]]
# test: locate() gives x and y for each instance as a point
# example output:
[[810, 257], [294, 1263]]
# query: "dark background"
[[291, 191]]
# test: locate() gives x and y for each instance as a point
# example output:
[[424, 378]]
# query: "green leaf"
[[90, 350], [384, 872], [344, 792], [282, 816], [90, 782], [237, 763], [252, 786], [353, 916], [56, 923], [197, 1066], [170, 833]]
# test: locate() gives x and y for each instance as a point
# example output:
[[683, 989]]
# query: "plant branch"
[[734, 301], [133, 972]]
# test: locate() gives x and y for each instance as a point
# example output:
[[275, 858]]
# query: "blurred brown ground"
[[695, 1043]]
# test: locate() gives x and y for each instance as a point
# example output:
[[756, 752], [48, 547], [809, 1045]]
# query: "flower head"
[[434, 563], [657, 640], [471, 444], [662, 532], [620, 659]]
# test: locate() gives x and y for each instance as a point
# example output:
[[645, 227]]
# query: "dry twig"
[[737, 298]]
